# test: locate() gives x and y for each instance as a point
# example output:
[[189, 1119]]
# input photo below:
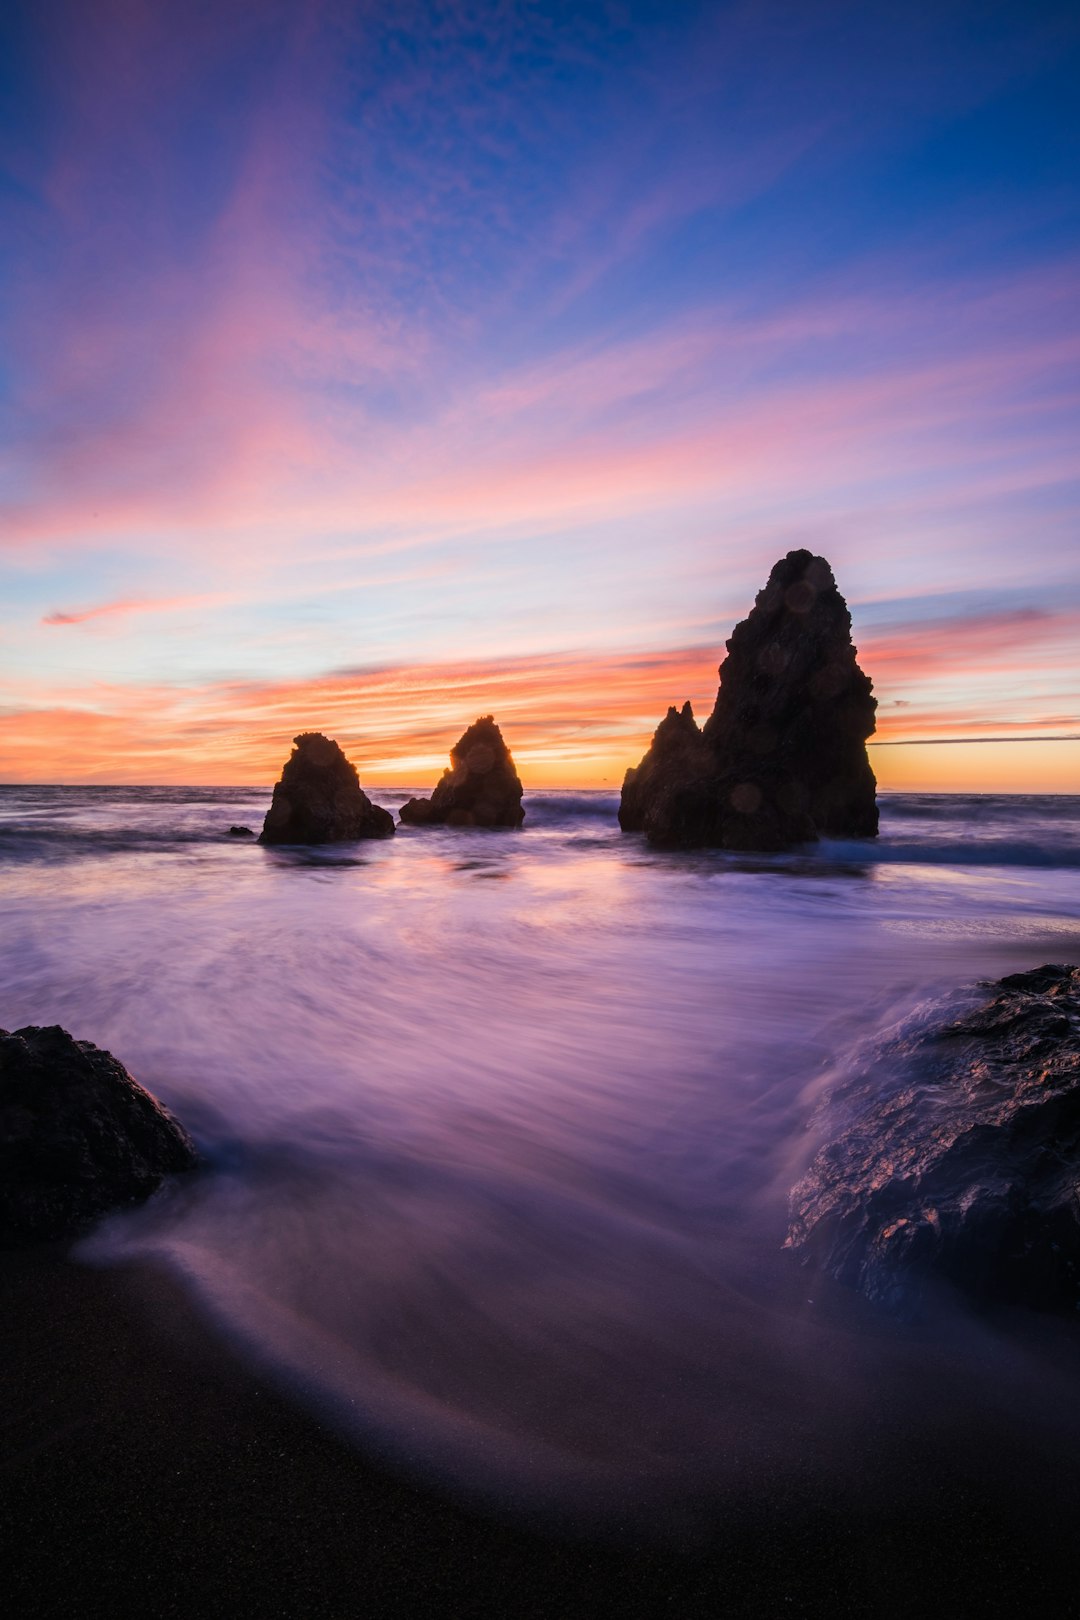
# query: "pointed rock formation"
[[481, 788], [793, 698], [782, 758], [319, 799], [677, 755], [78, 1136]]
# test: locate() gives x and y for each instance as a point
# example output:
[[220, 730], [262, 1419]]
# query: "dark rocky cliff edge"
[[319, 799], [78, 1136], [782, 759], [968, 1167], [480, 788]]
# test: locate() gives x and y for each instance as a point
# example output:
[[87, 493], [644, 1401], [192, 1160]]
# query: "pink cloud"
[[124, 606], [233, 435]]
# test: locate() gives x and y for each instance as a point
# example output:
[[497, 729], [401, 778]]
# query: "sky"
[[368, 367]]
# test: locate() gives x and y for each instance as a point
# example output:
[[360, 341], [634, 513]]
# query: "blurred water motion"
[[498, 1169]]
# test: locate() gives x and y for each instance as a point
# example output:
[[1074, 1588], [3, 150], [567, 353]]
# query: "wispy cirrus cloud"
[[122, 607], [293, 341]]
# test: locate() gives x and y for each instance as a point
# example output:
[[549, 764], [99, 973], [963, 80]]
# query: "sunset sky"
[[368, 367]]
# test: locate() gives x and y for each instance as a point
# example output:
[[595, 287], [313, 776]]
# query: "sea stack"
[[782, 758], [78, 1136], [481, 788], [319, 799]]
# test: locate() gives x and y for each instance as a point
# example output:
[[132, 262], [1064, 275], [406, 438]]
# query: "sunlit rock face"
[[319, 799], [78, 1136], [782, 758], [960, 1157], [480, 788]]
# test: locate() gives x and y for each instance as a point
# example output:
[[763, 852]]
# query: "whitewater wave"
[[43, 824]]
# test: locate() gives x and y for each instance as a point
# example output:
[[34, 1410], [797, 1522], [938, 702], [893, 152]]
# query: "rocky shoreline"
[[964, 1165]]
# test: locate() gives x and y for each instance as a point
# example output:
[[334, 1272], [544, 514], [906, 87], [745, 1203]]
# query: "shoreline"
[[147, 1467]]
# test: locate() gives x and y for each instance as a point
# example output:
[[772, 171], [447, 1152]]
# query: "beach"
[[146, 1468], [479, 1303]]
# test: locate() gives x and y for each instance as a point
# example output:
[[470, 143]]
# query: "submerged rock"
[[966, 1168], [481, 788], [78, 1136], [782, 758], [319, 799]]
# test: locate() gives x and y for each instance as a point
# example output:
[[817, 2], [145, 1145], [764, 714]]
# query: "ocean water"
[[499, 1127]]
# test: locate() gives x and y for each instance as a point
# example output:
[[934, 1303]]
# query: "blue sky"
[[343, 340]]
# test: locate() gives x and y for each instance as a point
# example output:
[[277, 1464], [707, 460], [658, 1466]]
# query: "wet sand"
[[146, 1470]]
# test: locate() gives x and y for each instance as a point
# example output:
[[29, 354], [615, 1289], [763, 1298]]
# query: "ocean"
[[498, 1128]]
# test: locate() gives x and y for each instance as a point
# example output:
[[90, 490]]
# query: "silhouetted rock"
[[793, 698], [319, 799], [678, 755], [78, 1136], [960, 1157], [782, 758], [241, 832], [480, 789]]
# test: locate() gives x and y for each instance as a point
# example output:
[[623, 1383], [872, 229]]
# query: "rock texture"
[[480, 789], [319, 799], [961, 1156], [782, 758], [78, 1136]]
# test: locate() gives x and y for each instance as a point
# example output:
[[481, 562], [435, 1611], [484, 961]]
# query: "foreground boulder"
[[481, 788], [960, 1158], [78, 1136], [782, 758], [319, 799]]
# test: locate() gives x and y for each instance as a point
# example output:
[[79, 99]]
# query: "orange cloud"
[[992, 674], [571, 719]]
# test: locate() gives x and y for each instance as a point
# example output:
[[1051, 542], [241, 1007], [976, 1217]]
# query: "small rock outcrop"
[[677, 757], [78, 1136], [319, 799], [960, 1156], [782, 758], [240, 832], [481, 788]]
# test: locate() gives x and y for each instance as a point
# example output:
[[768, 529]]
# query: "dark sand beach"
[[146, 1470]]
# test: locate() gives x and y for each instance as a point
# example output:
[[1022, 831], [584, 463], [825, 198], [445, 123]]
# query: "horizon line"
[[942, 742]]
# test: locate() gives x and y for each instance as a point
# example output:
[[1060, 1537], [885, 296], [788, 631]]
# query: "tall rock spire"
[[782, 758]]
